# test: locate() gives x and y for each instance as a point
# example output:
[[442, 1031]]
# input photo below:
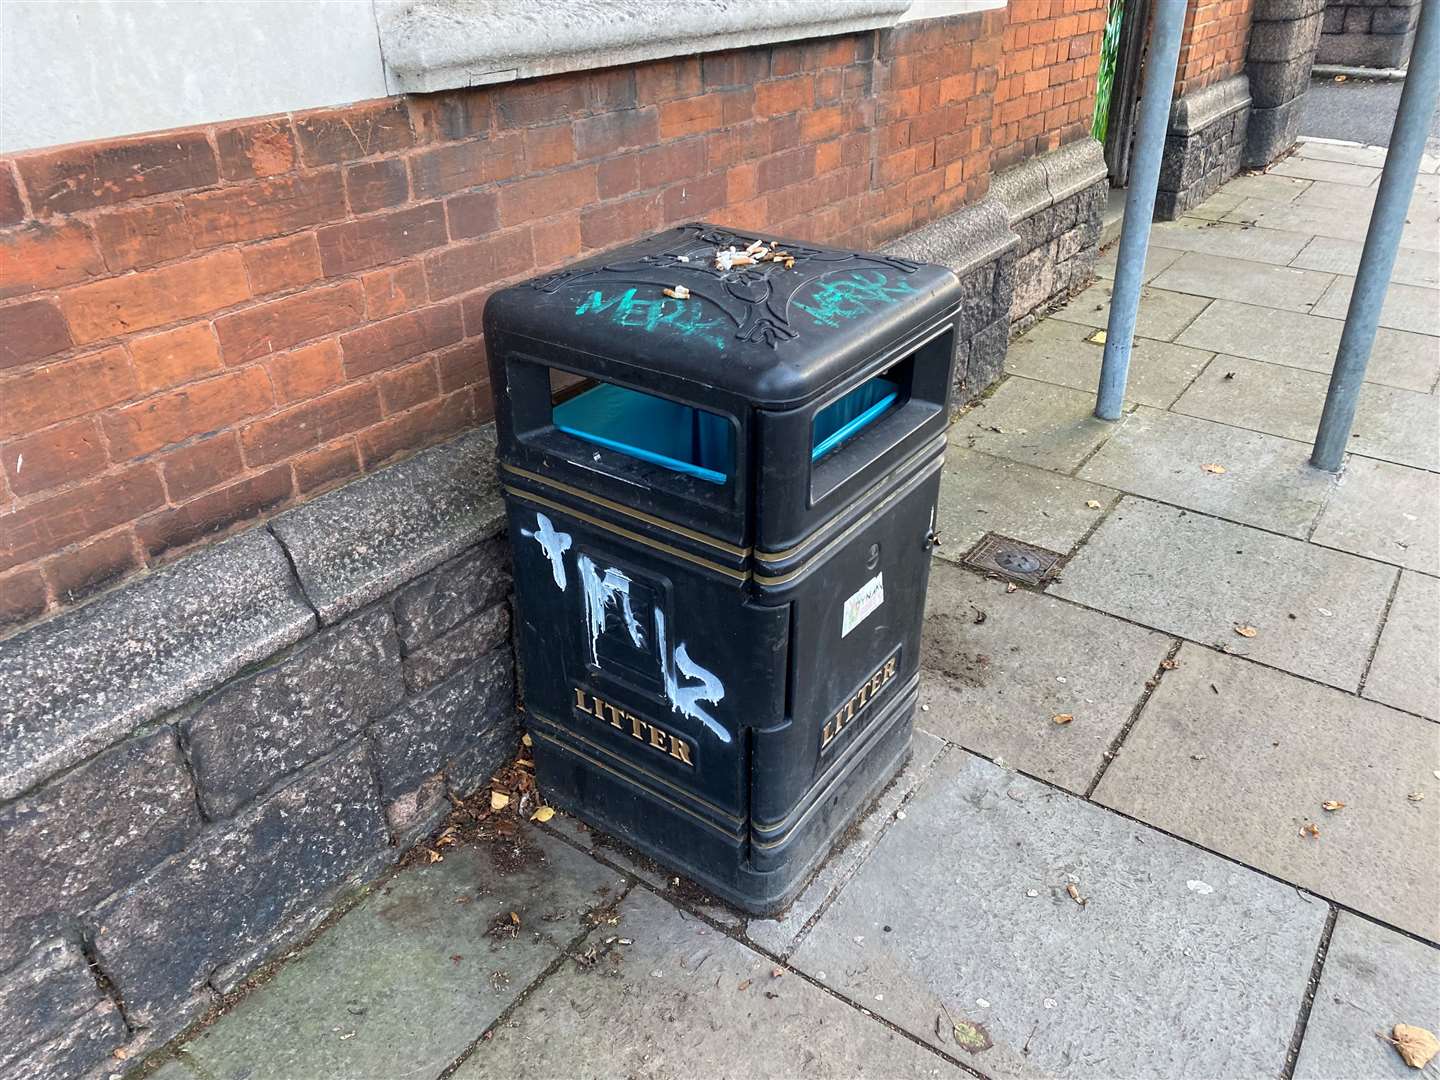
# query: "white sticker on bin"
[[862, 602]]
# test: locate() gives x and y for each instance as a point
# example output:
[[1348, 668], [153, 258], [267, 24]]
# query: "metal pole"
[[1382, 241], [1139, 204]]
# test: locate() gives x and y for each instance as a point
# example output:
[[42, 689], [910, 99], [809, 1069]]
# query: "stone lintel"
[[431, 45]]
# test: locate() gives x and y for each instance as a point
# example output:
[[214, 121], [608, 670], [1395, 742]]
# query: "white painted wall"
[[72, 70]]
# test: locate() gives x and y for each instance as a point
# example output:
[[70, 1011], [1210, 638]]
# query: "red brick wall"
[[1213, 46], [1049, 61], [201, 327]]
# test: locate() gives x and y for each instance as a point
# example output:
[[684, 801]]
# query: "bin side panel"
[[651, 667]]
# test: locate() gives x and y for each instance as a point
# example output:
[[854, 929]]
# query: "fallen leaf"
[[1093, 504], [525, 740], [972, 1036], [434, 856], [1010, 586], [1098, 337], [744, 985], [1341, 78], [544, 814], [499, 800], [1310, 829], [776, 973], [1074, 892], [1214, 468], [1169, 665], [514, 919], [1416, 796], [1062, 718], [120, 1053], [1415, 1044], [1330, 804], [1245, 631]]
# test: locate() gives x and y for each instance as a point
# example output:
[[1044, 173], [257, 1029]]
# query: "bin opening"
[[858, 409], [654, 429]]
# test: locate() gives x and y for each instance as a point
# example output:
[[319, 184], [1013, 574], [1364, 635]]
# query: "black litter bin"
[[721, 456]]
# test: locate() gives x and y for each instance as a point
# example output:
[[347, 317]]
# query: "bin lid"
[[772, 321]]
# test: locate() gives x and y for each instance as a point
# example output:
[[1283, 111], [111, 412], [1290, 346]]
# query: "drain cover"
[[1018, 561]]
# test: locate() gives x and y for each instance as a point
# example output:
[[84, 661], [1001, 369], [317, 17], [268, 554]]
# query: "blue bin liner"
[[666, 433], [840, 419]]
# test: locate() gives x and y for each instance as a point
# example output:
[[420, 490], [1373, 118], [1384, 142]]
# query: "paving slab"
[[1331, 172], [1385, 512], [995, 686], [1239, 758], [1424, 205], [780, 934], [1034, 423], [1354, 153], [1324, 221], [682, 999], [1268, 187], [1373, 979], [1267, 481], [1228, 239], [1156, 259], [1218, 205], [1407, 361], [412, 976], [1241, 279], [1391, 424], [1059, 352], [1332, 256], [1161, 315], [1404, 672], [1406, 307], [1178, 963], [980, 494], [1198, 578]]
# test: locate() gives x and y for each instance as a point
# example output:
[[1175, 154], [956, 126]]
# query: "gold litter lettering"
[[643, 731], [859, 701]]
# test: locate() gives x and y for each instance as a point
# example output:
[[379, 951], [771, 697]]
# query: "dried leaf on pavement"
[[1169, 665], [498, 800], [1062, 718], [744, 985], [1310, 829], [1093, 504], [1416, 796], [1415, 1044], [1245, 631], [1331, 804], [525, 740], [971, 1035], [1074, 891], [1213, 467]]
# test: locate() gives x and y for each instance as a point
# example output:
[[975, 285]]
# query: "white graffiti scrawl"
[[553, 543], [600, 591], [686, 700]]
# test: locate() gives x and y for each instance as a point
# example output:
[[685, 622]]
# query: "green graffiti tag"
[[685, 317], [853, 296]]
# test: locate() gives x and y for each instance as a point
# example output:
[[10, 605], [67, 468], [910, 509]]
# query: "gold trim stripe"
[[629, 764], [643, 787], [520, 493], [853, 527], [815, 537], [621, 508]]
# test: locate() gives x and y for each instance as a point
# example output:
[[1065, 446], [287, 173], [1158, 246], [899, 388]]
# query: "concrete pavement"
[[1155, 888]]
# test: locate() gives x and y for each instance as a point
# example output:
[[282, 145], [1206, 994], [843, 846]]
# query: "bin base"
[[585, 788]]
